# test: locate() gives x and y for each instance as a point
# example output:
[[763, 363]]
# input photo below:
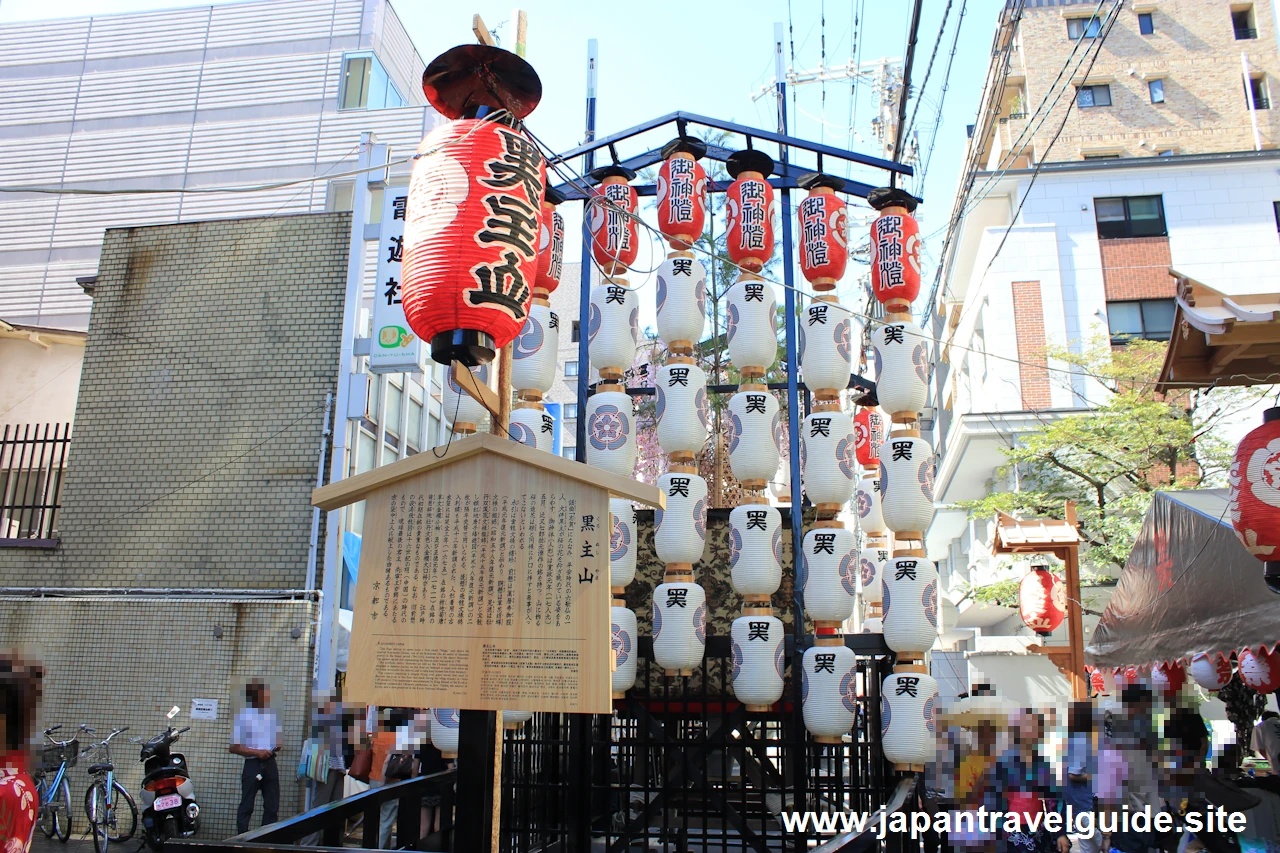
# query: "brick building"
[[184, 541], [1112, 143]]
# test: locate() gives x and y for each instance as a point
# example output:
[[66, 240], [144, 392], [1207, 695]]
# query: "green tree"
[[1111, 460]]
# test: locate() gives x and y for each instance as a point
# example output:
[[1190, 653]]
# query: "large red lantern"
[[750, 206], [1167, 679], [471, 226], [1255, 495], [550, 245], [1260, 670], [612, 220], [682, 192], [895, 250], [869, 431], [1042, 600], [824, 231]]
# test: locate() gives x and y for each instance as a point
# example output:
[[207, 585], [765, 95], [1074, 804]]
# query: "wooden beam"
[[475, 389], [1247, 333], [482, 32], [1223, 356]]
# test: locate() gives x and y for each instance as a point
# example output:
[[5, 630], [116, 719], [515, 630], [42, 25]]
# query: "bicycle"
[[55, 794], [105, 799]]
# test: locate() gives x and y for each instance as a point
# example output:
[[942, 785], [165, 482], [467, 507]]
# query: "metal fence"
[[33, 460]]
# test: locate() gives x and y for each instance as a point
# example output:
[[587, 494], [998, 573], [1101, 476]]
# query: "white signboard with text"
[[394, 348]]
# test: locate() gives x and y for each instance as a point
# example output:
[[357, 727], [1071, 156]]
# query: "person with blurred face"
[[255, 737], [19, 801], [1081, 768]]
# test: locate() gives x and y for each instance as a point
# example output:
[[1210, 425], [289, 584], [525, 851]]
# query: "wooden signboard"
[[484, 579]]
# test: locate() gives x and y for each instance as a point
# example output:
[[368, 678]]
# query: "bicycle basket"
[[54, 756]]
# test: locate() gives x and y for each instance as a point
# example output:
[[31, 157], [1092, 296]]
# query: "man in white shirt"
[[255, 736], [1266, 739]]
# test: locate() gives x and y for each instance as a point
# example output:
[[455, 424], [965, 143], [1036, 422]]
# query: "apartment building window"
[[577, 332], [1083, 27], [569, 452], [1259, 96], [570, 369], [1244, 23], [1093, 96], [1275, 205], [1145, 319], [366, 86], [1136, 216], [1146, 25], [414, 428], [570, 411], [1155, 88]]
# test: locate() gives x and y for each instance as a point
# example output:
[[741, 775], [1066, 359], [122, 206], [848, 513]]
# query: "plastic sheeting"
[[1188, 587]]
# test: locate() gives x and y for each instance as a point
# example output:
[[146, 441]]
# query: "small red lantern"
[[895, 250], [750, 206], [868, 434], [1126, 676], [1168, 678], [1211, 671], [824, 231], [1042, 600], [612, 220], [682, 192], [550, 246], [1260, 670], [475, 196], [1255, 495], [1096, 680]]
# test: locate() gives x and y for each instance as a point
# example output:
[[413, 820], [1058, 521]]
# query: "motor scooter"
[[169, 808]]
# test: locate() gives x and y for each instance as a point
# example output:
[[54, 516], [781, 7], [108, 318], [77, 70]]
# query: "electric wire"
[[942, 97], [946, 13]]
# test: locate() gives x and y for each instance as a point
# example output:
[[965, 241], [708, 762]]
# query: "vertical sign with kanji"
[[394, 348]]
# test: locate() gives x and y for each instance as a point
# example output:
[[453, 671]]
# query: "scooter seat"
[[101, 768]]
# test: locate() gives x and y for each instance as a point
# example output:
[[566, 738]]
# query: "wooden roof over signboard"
[[355, 488], [1033, 535], [1221, 340]]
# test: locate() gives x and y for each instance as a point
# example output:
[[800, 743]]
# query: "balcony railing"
[[1243, 33], [33, 459]]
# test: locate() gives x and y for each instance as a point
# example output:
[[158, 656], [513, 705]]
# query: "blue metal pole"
[[584, 286]]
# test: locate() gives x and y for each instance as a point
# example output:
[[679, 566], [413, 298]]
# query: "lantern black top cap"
[[749, 160], [1271, 414], [613, 170], [469, 76], [818, 179], [891, 197], [686, 144]]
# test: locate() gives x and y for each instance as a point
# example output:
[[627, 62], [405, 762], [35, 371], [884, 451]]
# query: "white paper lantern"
[[780, 485], [826, 346], [613, 327], [751, 325], [827, 461], [461, 407], [908, 709], [682, 300], [624, 634], [872, 625], [611, 433], [515, 719], [680, 531], [902, 367], [623, 543], [755, 435], [830, 569], [757, 659], [535, 349], [871, 566], [870, 512], [755, 549], [682, 408], [679, 625], [910, 604], [532, 427], [830, 690], [444, 731], [1212, 672], [907, 467]]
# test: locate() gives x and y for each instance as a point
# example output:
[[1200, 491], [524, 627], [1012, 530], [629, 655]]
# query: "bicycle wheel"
[[47, 825], [96, 806], [61, 806], [123, 822]]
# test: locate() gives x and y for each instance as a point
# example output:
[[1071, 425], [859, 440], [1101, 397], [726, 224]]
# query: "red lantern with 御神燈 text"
[[1254, 500], [895, 250], [475, 203], [824, 237], [1167, 679], [1042, 600], [869, 431], [550, 245], [682, 192], [612, 220], [750, 207]]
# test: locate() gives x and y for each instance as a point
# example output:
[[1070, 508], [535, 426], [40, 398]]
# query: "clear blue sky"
[[703, 57]]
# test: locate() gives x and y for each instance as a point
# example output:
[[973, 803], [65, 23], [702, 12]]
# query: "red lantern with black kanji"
[[749, 206], [612, 220], [1042, 600], [895, 250], [824, 231], [682, 192], [869, 430], [1260, 670], [1254, 500], [475, 203], [550, 245], [1167, 679]]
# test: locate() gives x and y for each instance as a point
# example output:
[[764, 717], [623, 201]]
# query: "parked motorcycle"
[[169, 808]]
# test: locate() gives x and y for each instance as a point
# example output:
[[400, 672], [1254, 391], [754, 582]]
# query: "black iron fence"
[[33, 460]]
